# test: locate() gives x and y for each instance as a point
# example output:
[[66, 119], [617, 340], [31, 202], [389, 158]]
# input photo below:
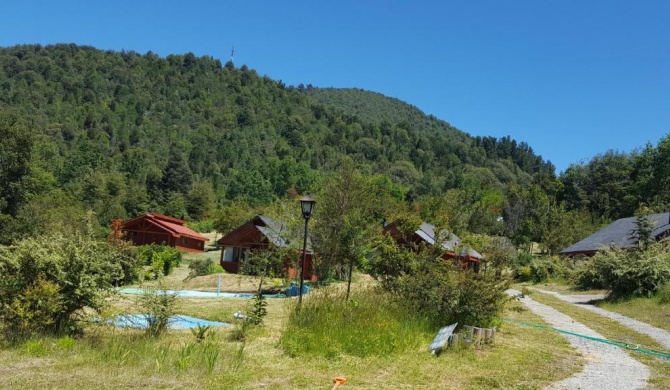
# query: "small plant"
[[199, 267], [211, 356], [185, 355], [66, 342], [663, 293], [200, 333], [160, 259], [35, 348], [159, 305], [259, 309], [162, 354]]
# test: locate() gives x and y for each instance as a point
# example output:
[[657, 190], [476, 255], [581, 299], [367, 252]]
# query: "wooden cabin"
[[256, 234], [154, 228], [451, 243]]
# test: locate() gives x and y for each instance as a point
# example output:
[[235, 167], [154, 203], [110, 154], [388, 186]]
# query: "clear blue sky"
[[572, 78]]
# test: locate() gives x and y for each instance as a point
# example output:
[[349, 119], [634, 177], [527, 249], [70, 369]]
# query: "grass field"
[[109, 358]]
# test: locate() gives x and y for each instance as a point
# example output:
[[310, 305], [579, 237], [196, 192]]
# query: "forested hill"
[[376, 108], [121, 133]]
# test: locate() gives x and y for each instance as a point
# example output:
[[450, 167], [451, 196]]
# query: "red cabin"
[[154, 228]]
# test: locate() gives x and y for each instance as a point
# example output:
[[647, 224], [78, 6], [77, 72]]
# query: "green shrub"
[[159, 305], [541, 269], [34, 311], [523, 273], [200, 267], [627, 272], [524, 259], [663, 293], [161, 259], [259, 309], [424, 282], [46, 282]]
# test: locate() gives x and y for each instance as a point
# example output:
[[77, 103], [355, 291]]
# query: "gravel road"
[[606, 366], [658, 334]]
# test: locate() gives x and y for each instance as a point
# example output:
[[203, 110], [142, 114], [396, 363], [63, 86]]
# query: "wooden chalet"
[[256, 234], [451, 243], [618, 234], [154, 228]]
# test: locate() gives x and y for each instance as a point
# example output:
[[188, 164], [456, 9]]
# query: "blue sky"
[[571, 78]]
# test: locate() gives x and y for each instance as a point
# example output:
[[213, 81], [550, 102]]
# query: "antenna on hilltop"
[[232, 54]]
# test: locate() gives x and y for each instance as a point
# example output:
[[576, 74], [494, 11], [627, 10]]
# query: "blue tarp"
[[200, 294], [140, 321], [294, 290]]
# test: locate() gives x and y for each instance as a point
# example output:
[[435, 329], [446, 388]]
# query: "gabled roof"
[[618, 234], [277, 233], [450, 241], [427, 233], [274, 231], [172, 225]]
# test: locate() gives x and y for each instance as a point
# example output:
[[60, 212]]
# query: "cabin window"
[[235, 254], [184, 240]]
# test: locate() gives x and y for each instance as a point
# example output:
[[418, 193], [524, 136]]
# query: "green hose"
[[620, 344]]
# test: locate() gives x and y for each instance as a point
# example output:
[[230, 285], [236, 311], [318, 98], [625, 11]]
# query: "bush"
[[523, 273], [434, 288], [627, 273], [45, 282], [158, 305], [161, 259], [200, 267], [35, 311], [539, 270], [663, 293]]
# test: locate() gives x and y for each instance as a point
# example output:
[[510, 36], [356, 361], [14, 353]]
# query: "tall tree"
[[177, 176], [349, 213], [16, 141]]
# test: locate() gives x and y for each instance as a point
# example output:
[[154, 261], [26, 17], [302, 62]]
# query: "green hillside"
[[111, 130], [121, 133]]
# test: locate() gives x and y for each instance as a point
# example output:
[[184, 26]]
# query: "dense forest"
[[121, 133]]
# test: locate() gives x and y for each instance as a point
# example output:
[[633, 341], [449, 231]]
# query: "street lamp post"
[[307, 204]]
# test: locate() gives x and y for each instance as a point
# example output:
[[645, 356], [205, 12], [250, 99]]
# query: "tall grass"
[[369, 324]]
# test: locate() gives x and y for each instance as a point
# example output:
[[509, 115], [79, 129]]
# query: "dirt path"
[[606, 367], [658, 334]]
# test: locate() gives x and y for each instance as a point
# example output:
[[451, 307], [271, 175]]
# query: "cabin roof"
[[618, 234], [170, 224], [450, 241]]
